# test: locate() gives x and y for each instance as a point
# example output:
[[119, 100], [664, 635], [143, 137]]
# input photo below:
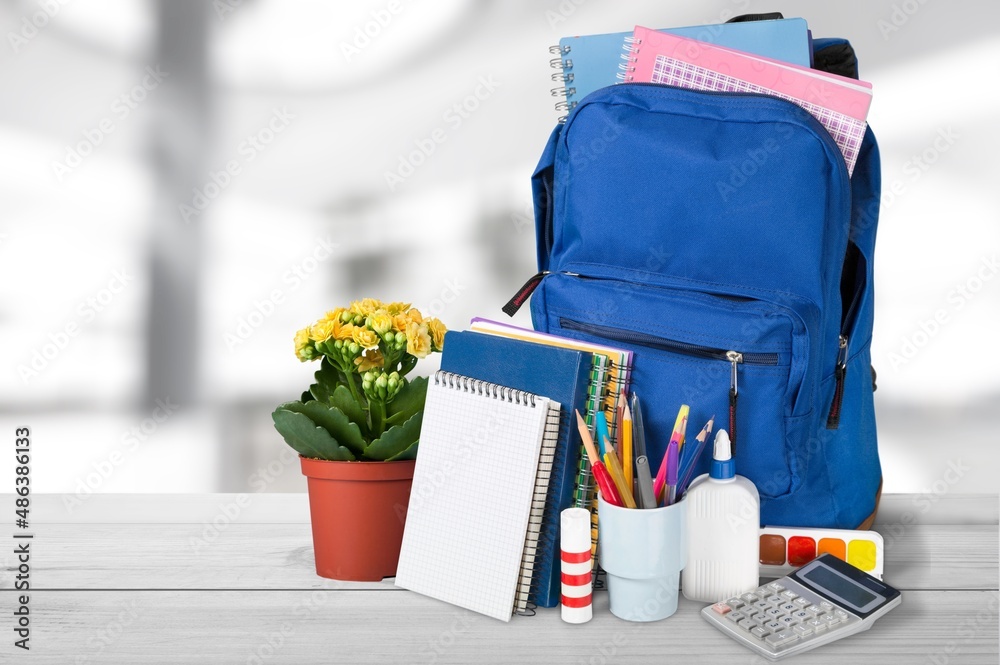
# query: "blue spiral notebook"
[[563, 376], [589, 62]]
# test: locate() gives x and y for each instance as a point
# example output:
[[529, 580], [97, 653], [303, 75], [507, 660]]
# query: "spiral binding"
[[485, 388], [630, 49], [564, 75], [539, 517]]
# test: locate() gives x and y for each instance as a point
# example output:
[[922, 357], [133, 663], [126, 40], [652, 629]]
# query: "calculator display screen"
[[853, 593]]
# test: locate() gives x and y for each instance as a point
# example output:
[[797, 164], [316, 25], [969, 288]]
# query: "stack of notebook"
[[499, 461], [757, 57]]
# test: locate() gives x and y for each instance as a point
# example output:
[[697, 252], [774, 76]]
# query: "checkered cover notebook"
[[839, 104]]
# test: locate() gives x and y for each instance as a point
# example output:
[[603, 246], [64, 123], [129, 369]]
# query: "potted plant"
[[357, 429]]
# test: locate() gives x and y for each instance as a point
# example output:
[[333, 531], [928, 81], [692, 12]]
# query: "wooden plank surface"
[[297, 627], [191, 579], [279, 556]]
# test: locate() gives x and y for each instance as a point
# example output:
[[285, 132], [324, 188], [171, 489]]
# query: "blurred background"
[[185, 183]]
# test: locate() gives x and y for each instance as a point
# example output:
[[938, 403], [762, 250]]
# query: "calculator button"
[[803, 630], [802, 602], [721, 608], [830, 620], [817, 625], [774, 586], [788, 621], [775, 600], [788, 607], [781, 638], [841, 614], [736, 616], [790, 595], [826, 606], [814, 609], [761, 606], [774, 612], [746, 624], [773, 625], [802, 615], [735, 603], [760, 633], [749, 598]]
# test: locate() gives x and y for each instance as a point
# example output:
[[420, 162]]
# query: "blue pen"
[[689, 459], [602, 431]]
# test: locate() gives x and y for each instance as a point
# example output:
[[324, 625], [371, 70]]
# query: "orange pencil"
[[604, 482]]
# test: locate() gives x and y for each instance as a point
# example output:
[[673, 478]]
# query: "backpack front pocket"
[[738, 359]]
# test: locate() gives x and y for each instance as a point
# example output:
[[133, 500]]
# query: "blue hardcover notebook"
[[560, 374], [590, 62]]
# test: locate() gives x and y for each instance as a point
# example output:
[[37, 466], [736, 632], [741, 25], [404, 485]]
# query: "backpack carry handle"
[[769, 16]]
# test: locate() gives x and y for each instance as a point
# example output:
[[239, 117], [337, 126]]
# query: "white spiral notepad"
[[479, 489]]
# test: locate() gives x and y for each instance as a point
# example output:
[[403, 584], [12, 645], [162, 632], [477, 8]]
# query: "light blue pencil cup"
[[643, 553]]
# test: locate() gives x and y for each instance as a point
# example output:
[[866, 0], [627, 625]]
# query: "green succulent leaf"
[[409, 453], [396, 441], [303, 435], [344, 400], [327, 378], [334, 421], [407, 402], [307, 397]]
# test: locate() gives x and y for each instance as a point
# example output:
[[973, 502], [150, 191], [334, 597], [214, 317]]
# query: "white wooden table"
[[229, 579]]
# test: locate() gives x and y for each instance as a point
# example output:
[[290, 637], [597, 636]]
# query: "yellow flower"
[[366, 306], [380, 322], [303, 345], [395, 308], [371, 359], [415, 316], [365, 337], [345, 332], [437, 331], [400, 322], [323, 330], [418, 341], [334, 314]]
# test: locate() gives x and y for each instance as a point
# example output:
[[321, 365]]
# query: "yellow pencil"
[[681, 424], [627, 445], [615, 471]]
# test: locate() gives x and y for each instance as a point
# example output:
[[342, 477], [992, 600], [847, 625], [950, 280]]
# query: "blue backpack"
[[719, 237]]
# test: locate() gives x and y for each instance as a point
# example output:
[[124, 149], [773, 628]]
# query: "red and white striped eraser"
[[574, 543]]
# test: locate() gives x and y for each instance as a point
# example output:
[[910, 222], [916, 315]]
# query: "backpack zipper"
[[523, 293], [735, 358], [833, 420]]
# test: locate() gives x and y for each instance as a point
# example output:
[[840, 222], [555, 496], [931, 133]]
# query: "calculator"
[[823, 601]]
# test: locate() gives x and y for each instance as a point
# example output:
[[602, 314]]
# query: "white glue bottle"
[[723, 527]]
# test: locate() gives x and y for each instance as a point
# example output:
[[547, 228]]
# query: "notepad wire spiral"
[[630, 50], [484, 388], [565, 76]]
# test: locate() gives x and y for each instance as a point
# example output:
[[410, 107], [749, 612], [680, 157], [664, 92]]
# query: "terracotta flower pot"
[[358, 510]]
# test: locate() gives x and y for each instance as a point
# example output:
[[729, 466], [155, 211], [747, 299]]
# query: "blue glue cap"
[[723, 465]]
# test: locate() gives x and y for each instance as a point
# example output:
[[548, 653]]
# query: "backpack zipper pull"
[[522, 295], [735, 358], [833, 420]]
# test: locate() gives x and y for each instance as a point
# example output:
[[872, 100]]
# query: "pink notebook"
[[840, 104]]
